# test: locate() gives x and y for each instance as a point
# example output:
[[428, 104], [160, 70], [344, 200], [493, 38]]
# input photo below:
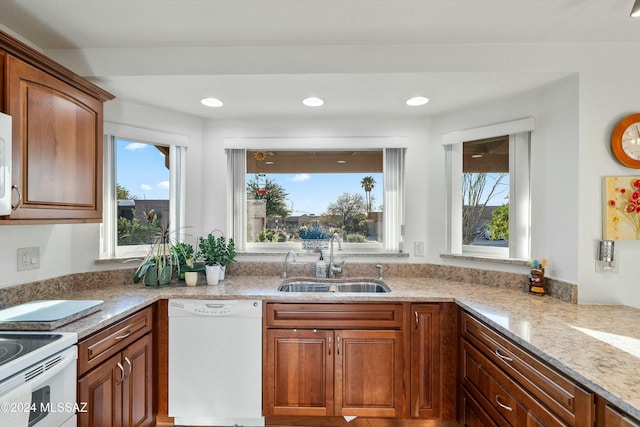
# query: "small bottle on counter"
[[321, 267]]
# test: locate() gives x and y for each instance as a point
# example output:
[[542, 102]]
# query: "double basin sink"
[[334, 285]]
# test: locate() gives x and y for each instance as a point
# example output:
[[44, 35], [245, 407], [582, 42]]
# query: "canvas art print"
[[622, 210]]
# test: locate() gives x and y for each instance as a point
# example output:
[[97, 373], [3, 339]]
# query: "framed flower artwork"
[[622, 208]]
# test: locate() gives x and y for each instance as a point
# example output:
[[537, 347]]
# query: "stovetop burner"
[[14, 345]]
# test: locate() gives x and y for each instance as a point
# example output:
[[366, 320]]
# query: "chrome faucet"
[[333, 269], [283, 273], [379, 267]]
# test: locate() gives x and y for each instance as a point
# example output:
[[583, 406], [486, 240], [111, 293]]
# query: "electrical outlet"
[[418, 248], [28, 258]]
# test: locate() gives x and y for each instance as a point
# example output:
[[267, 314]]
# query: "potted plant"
[[157, 267], [227, 250], [188, 266], [209, 252]]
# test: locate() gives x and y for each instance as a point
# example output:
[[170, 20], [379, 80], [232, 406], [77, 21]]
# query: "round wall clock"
[[625, 141]]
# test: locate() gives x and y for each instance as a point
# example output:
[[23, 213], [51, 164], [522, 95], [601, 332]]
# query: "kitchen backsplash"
[[65, 285]]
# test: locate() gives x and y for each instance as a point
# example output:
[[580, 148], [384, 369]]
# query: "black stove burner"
[[14, 345]]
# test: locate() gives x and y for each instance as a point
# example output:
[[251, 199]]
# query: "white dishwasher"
[[215, 362]]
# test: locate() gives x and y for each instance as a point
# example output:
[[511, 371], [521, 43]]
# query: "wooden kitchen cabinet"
[[502, 382], [607, 415], [57, 138], [115, 368], [340, 369], [433, 360]]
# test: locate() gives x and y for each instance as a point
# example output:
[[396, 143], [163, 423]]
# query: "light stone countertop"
[[597, 345]]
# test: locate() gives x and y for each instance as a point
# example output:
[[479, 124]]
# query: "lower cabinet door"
[[137, 389], [368, 371], [101, 390], [299, 372]]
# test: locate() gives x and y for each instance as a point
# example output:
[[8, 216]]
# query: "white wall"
[[554, 173], [73, 248], [605, 98]]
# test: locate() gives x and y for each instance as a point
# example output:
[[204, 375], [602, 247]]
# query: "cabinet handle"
[[329, 346], [502, 405], [129, 365], [338, 345], [119, 381], [502, 356], [415, 313], [17, 205], [121, 337]]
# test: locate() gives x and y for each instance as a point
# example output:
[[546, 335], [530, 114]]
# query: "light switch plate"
[[418, 248], [28, 258]]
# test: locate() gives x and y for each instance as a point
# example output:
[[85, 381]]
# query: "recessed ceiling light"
[[268, 163], [211, 102], [417, 101], [313, 102]]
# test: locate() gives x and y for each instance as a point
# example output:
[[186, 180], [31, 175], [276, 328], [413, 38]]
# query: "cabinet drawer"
[[562, 395], [334, 315], [473, 414], [100, 346], [496, 391]]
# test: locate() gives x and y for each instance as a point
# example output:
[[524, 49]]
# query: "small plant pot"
[[151, 276], [191, 278], [213, 274], [164, 275]]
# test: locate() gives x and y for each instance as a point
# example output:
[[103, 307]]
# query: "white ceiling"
[[98, 38]]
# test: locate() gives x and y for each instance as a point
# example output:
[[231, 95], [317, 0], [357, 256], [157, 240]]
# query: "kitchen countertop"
[[597, 345]]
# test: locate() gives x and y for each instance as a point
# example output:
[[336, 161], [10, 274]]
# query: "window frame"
[[394, 151], [109, 248], [519, 132]]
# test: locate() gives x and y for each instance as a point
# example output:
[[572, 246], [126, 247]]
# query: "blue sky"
[[312, 193], [141, 170]]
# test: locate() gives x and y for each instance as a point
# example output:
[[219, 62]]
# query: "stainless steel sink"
[[334, 285]]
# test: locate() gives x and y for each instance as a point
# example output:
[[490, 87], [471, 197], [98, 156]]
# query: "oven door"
[[53, 389]]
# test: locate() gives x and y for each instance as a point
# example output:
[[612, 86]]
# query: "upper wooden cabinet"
[[57, 138]]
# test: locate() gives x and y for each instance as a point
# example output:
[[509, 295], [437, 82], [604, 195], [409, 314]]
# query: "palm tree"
[[368, 182]]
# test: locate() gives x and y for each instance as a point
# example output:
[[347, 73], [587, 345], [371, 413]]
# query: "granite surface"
[[597, 345]]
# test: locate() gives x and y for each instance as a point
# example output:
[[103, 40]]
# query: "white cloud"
[[164, 185], [301, 177], [135, 146], [145, 187]]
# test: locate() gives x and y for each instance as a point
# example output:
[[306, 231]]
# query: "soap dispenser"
[[321, 268]]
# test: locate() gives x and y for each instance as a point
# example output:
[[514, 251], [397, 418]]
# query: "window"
[[142, 191], [294, 199], [302, 197], [488, 202]]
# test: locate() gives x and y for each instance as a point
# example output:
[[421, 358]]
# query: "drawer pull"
[[121, 337], [502, 356], [502, 405]]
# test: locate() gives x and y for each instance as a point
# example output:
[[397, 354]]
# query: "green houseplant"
[[217, 253], [157, 267]]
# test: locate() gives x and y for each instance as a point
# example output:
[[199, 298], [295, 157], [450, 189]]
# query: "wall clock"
[[625, 141]]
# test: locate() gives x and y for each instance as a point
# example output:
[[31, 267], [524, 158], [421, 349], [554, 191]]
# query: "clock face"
[[631, 141]]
